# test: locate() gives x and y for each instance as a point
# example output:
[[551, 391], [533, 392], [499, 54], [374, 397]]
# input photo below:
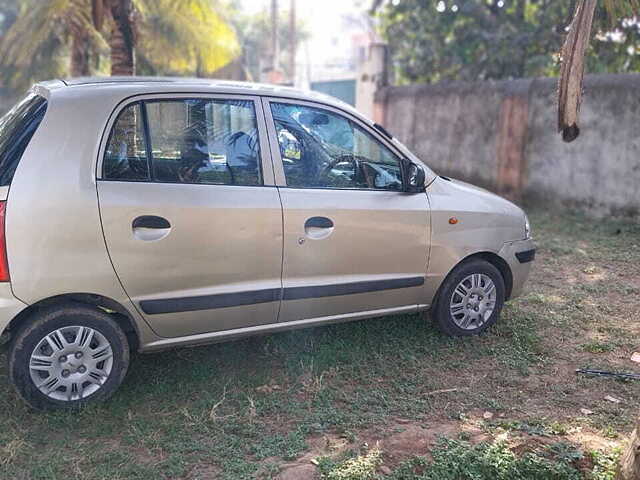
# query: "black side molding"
[[297, 293], [209, 302], [526, 256], [224, 300]]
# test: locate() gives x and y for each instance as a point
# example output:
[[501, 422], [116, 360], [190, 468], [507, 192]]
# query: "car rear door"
[[191, 218], [355, 244]]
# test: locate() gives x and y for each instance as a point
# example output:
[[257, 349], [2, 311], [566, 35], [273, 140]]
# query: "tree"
[[470, 40], [191, 37], [122, 39], [56, 37], [32, 45]]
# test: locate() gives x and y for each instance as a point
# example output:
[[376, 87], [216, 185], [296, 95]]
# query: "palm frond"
[[36, 45], [190, 36]]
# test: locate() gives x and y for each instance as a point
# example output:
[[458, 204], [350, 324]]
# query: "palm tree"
[[32, 45], [166, 36], [573, 59], [122, 40], [187, 36]]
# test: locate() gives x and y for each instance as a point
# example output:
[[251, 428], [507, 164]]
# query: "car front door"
[[355, 243], [191, 217]]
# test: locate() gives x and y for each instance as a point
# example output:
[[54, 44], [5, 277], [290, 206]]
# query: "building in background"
[[336, 49]]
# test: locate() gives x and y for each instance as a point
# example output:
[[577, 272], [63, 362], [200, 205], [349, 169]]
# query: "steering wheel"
[[324, 172]]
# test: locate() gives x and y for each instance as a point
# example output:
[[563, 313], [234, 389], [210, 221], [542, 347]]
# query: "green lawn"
[[352, 401]]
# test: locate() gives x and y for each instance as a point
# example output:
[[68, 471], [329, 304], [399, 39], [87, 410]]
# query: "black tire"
[[46, 321], [441, 313]]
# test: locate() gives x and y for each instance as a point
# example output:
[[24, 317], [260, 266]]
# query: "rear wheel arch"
[[117, 311]]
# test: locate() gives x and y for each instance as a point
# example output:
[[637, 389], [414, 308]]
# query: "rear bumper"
[[519, 255], [10, 306]]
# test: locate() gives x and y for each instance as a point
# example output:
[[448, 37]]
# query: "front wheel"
[[470, 299], [69, 355]]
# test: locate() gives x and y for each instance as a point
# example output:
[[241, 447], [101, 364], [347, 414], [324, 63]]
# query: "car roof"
[[144, 85]]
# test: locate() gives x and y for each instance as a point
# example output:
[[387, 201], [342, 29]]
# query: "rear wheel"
[[470, 299], [66, 356]]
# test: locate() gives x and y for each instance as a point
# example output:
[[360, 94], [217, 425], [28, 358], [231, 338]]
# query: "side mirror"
[[414, 177]]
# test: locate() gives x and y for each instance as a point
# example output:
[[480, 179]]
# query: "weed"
[[456, 460], [597, 347], [360, 467]]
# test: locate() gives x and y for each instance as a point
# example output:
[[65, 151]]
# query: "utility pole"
[[292, 42], [275, 47]]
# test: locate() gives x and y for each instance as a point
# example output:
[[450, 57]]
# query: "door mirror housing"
[[414, 177]]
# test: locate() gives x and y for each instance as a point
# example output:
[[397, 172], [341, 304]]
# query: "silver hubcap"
[[473, 301], [71, 363]]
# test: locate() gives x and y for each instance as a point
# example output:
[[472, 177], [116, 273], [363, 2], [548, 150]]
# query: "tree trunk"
[[122, 41], [79, 55], [572, 70], [630, 460]]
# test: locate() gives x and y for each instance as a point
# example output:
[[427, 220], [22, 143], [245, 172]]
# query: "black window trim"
[[336, 110], [142, 99], [147, 141]]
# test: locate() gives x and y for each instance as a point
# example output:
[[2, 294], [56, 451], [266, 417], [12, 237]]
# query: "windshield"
[[16, 129]]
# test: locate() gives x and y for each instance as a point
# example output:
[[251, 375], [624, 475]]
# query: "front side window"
[[195, 141], [321, 149]]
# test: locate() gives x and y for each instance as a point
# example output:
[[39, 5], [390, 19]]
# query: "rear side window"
[[16, 129], [126, 155], [196, 141]]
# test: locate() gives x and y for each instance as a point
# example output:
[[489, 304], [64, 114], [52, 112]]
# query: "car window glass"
[[321, 149], [204, 141], [126, 156], [16, 129]]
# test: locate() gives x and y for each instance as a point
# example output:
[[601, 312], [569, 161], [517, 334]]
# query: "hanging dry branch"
[[572, 70]]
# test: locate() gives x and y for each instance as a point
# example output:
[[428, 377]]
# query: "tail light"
[[4, 263]]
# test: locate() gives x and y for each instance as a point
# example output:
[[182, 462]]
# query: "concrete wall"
[[502, 135]]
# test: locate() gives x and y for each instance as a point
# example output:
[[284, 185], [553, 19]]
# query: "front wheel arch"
[[495, 260]]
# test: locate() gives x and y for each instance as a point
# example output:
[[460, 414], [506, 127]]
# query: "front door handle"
[[149, 228], [318, 228]]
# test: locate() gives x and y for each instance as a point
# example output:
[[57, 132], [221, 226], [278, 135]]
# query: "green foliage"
[[605, 465], [185, 37], [597, 347], [188, 37], [621, 8], [361, 467], [35, 46], [456, 460], [287, 446], [494, 39]]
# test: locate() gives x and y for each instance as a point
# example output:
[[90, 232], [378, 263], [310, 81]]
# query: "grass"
[[453, 460], [252, 408]]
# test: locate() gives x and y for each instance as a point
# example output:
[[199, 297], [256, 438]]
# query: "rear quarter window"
[[16, 129]]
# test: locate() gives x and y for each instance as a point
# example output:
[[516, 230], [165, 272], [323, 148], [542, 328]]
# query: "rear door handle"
[[318, 222], [318, 228], [149, 228], [150, 221]]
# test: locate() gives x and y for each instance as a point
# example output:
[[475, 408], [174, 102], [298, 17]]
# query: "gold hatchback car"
[[140, 214]]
